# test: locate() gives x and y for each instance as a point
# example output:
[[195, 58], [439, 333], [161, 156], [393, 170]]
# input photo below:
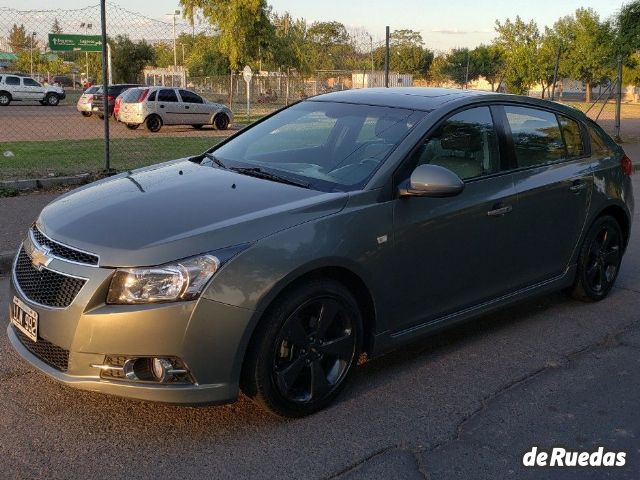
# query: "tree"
[[519, 41], [129, 58], [628, 28], [243, 25], [56, 28], [590, 50], [18, 40], [488, 62], [205, 59], [458, 66], [408, 54], [330, 46]]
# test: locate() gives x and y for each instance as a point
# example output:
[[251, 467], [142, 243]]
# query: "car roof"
[[417, 98]]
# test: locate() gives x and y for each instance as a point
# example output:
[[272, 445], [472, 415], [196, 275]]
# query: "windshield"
[[330, 146]]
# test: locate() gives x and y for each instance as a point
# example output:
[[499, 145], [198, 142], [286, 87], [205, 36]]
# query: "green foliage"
[[628, 28], [243, 25], [18, 41], [129, 58], [488, 61], [519, 41], [56, 28], [458, 67]]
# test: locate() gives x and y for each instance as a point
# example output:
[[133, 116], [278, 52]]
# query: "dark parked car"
[[65, 81], [113, 92], [351, 222]]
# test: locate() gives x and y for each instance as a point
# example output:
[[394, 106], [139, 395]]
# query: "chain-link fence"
[[38, 139]]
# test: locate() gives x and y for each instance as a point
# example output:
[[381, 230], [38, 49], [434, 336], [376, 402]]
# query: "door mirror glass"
[[432, 181]]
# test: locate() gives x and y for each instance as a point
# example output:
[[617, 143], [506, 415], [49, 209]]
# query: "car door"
[[14, 85], [33, 90], [195, 112], [169, 106], [553, 181], [455, 252]]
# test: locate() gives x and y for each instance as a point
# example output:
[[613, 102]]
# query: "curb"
[[6, 259], [45, 183]]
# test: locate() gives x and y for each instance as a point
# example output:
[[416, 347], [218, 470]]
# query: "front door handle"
[[161, 106], [578, 185], [499, 210], [186, 107]]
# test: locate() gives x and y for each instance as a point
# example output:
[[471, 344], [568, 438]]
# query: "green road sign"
[[75, 43]]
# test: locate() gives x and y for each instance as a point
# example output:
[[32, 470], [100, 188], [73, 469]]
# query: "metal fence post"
[[105, 84], [386, 59], [618, 98]]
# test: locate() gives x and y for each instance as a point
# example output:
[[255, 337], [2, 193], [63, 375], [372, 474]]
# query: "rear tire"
[[5, 99], [153, 123], [221, 121], [132, 126], [52, 100], [86, 114], [304, 350], [197, 126], [599, 260]]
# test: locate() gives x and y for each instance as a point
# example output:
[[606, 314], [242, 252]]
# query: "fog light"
[[160, 368]]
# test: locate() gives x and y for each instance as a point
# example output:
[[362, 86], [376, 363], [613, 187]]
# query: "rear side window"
[[167, 95], [190, 97], [537, 139], [572, 136], [599, 147], [12, 81], [466, 144]]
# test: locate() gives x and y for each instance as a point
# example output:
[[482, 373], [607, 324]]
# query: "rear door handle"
[[578, 185], [499, 210], [161, 106], [186, 107]]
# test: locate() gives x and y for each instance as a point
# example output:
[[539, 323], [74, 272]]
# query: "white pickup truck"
[[24, 88]]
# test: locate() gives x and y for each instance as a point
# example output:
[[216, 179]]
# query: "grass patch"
[[65, 157]]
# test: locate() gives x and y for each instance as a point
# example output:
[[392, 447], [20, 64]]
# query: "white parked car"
[[158, 106], [24, 88], [85, 101]]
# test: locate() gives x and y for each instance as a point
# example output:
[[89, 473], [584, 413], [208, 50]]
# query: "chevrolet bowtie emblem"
[[38, 254]]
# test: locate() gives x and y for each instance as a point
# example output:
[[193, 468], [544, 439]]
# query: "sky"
[[444, 24]]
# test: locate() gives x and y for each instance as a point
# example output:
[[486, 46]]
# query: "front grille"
[[45, 287], [53, 355], [62, 251]]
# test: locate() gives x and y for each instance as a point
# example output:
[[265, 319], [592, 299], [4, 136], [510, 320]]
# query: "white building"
[[376, 79]]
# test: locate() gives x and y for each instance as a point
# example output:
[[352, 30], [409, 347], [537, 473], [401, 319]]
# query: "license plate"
[[24, 318]]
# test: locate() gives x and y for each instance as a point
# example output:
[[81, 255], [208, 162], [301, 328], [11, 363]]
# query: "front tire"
[[221, 121], [197, 126], [153, 123], [52, 100], [304, 350], [599, 261]]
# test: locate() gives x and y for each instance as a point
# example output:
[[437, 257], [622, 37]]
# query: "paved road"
[[466, 404], [29, 122]]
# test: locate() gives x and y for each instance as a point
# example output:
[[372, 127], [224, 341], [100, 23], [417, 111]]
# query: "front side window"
[[167, 95], [537, 139], [466, 144], [30, 82], [12, 81], [331, 146], [190, 97]]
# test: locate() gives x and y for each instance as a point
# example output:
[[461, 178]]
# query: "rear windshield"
[[131, 95], [93, 89]]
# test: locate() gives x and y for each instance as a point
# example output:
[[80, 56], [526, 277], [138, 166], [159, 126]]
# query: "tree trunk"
[[588, 92], [492, 87], [542, 85]]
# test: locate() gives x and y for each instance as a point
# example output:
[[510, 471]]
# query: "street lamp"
[[87, 27], [31, 52], [175, 51]]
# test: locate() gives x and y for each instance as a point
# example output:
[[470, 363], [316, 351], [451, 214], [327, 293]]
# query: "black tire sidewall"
[[150, 123], [48, 100], [258, 382], [221, 117], [8, 97], [582, 288]]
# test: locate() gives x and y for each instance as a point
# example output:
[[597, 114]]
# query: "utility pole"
[[466, 74], [87, 27], [618, 98], [182, 45], [105, 84], [386, 58], [372, 65]]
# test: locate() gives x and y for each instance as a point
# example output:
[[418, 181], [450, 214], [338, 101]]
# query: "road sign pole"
[[247, 74]]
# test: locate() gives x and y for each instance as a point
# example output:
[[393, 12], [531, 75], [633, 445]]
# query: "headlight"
[[181, 280]]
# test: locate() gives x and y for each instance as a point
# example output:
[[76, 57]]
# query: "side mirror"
[[431, 181]]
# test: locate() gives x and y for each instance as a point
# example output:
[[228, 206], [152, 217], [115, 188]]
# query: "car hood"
[[178, 209]]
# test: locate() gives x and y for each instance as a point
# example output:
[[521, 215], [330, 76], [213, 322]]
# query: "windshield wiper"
[[215, 160], [260, 173]]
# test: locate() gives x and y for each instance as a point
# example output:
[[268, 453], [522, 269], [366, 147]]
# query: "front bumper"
[[208, 336]]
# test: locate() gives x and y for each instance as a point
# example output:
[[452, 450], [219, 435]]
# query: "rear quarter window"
[[599, 146], [572, 136]]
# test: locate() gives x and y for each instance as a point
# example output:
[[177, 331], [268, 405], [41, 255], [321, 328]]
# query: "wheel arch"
[[7, 93], [620, 214]]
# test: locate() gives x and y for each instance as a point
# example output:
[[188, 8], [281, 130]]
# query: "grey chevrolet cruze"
[[345, 224]]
